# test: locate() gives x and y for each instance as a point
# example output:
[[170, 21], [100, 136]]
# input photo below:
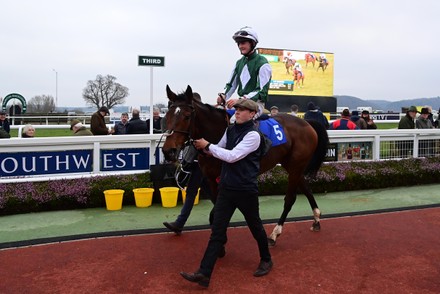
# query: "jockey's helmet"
[[246, 34]]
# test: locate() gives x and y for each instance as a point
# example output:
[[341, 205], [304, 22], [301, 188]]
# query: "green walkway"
[[17, 230]]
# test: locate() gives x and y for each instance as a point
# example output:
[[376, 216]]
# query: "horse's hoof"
[[316, 227], [271, 242]]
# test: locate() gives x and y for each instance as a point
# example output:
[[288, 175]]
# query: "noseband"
[[177, 112]]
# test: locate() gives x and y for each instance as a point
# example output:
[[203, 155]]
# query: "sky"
[[383, 49]]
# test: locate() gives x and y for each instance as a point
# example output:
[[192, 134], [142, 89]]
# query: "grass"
[[46, 133], [386, 126]]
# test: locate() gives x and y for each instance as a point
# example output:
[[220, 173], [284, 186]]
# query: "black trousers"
[[227, 202]]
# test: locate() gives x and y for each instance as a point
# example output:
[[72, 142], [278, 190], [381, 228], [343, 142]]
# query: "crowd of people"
[[98, 125], [413, 119]]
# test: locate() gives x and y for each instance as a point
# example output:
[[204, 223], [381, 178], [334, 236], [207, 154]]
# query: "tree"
[[41, 104], [104, 91]]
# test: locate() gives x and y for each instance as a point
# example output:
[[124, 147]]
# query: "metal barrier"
[[48, 158]]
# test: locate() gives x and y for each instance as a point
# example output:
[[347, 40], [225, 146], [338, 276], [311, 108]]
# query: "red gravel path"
[[384, 253]]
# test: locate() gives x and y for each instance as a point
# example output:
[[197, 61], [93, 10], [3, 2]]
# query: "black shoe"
[[222, 252], [263, 268], [196, 277], [173, 227]]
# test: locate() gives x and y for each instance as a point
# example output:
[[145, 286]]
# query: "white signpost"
[[151, 61]]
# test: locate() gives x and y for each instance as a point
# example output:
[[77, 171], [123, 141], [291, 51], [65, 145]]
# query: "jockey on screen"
[[298, 68]]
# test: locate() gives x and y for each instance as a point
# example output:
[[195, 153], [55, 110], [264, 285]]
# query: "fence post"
[[415, 146], [376, 147], [96, 157]]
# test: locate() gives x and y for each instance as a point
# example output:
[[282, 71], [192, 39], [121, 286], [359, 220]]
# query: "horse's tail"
[[320, 151]]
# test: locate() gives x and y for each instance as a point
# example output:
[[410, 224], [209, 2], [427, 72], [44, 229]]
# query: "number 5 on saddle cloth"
[[188, 159]]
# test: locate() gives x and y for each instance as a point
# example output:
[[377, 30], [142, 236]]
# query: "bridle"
[[177, 112]]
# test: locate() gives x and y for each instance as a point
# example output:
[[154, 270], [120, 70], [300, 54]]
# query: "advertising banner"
[[354, 151], [22, 164]]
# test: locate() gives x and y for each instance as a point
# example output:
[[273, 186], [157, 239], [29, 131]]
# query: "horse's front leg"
[[289, 200]]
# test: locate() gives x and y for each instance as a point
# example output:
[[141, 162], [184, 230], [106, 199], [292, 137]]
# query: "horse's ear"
[[189, 94], [171, 95]]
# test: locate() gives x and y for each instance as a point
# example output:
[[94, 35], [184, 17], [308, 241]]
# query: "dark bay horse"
[[323, 63], [303, 154], [310, 58], [288, 62], [298, 78]]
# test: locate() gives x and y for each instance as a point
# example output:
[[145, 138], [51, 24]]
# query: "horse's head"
[[178, 122]]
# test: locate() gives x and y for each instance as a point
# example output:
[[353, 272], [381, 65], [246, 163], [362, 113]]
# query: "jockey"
[[323, 58], [289, 57], [298, 67], [252, 73]]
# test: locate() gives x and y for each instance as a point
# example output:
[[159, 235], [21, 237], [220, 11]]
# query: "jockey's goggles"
[[241, 34]]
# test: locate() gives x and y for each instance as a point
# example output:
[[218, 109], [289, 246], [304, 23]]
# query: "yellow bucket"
[[143, 196], [113, 199], [196, 201], [169, 196]]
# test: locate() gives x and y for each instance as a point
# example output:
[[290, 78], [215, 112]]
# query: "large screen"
[[300, 73]]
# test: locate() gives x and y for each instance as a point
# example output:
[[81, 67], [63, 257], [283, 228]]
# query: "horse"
[[323, 63], [302, 154], [310, 58], [298, 77], [288, 62]]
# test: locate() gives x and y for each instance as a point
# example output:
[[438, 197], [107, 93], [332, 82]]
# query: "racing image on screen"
[[301, 73]]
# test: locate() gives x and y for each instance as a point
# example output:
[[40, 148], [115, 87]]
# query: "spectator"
[[136, 125], [157, 128], [163, 122], [423, 121], [313, 113], [79, 129], [430, 116], [359, 121], [436, 123], [121, 127], [274, 110], [294, 110], [407, 122], [28, 131], [97, 123], [370, 123], [4, 123], [344, 123]]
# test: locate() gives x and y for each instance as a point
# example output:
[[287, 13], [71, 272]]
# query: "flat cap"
[[248, 104]]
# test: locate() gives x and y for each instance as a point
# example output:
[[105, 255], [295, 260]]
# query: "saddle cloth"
[[273, 131]]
